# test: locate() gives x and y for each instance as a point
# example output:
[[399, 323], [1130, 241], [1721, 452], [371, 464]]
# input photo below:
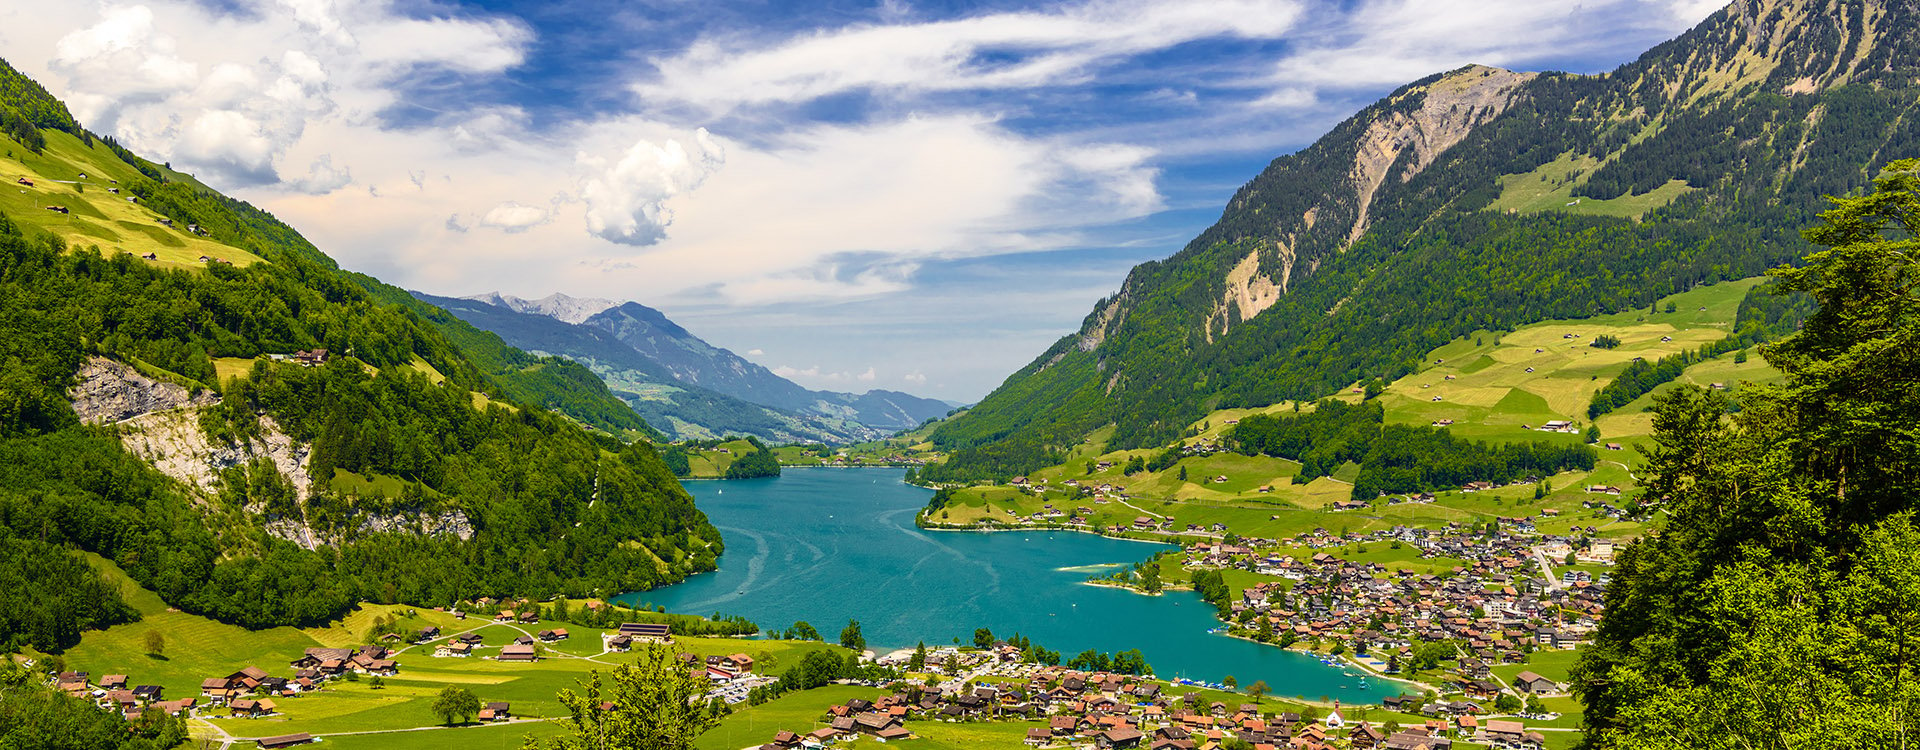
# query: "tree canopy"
[[1780, 606]]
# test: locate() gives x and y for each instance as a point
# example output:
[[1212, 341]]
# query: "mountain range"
[[682, 385], [1479, 199]]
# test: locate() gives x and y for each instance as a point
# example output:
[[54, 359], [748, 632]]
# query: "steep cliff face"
[[110, 392], [161, 423], [1402, 226]]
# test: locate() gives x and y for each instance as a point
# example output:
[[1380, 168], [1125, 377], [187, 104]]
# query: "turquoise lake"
[[828, 545]]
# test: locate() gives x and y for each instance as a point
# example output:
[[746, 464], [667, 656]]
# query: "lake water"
[[826, 545]]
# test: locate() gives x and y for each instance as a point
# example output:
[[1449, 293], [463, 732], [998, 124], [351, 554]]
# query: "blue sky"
[[910, 195]]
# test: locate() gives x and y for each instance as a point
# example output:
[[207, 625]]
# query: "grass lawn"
[[796, 712], [1552, 664], [1550, 188], [96, 216], [478, 737], [195, 647]]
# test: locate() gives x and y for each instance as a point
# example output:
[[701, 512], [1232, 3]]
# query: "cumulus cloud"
[[866, 377], [755, 352], [627, 200], [514, 217], [916, 378], [236, 112]]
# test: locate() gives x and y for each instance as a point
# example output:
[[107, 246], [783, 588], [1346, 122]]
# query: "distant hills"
[[681, 384], [1478, 199]]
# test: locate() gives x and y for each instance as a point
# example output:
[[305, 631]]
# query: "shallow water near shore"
[[827, 545]]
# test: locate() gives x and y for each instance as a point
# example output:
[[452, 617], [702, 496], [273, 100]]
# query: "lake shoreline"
[[813, 546]]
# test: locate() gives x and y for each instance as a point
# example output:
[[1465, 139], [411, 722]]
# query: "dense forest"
[[523, 477], [1395, 458], [1780, 604], [404, 422], [1437, 259]]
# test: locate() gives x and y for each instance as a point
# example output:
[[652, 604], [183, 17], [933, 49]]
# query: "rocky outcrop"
[[174, 443], [1450, 108], [442, 523], [160, 423], [109, 392]]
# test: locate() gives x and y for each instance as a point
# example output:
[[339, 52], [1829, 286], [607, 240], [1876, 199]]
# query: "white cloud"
[[1383, 43], [916, 378], [513, 217], [1052, 47], [866, 377], [322, 177], [755, 352], [626, 201], [234, 106]]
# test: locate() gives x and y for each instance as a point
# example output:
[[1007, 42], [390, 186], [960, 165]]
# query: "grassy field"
[[96, 216], [1553, 665], [1550, 188], [796, 712], [1494, 386], [197, 648]]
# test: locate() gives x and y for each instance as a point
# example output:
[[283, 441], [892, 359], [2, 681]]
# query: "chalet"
[[517, 652], [150, 256], [647, 632], [58, 209], [1500, 733], [620, 643], [1414, 739], [453, 648], [251, 707], [1613, 446], [1529, 682], [874, 723], [147, 693], [248, 678], [1118, 738], [215, 688], [113, 682], [285, 740], [327, 660], [318, 357], [506, 615], [25, 181], [1364, 736], [496, 711], [556, 634], [1037, 737]]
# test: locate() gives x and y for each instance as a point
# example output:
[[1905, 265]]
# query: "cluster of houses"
[[303, 358], [1120, 712], [116, 693], [250, 692], [1498, 607]]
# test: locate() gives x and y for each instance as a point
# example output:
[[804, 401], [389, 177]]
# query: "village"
[[253, 692], [1067, 708]]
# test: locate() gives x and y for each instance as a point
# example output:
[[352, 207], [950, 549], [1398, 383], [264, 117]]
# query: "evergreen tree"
[[1780, 605]]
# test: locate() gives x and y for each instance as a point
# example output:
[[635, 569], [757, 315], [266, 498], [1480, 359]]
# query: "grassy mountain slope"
[[1403, 228], [490, 492]]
